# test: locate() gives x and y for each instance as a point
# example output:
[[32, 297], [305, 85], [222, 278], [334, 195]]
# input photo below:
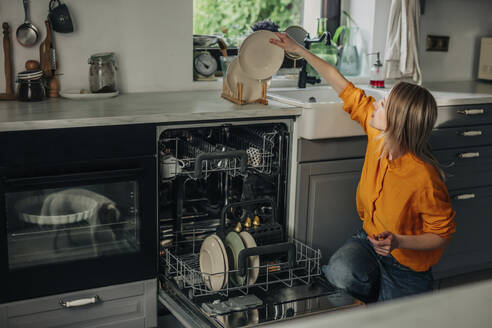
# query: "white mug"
[[170, 166]]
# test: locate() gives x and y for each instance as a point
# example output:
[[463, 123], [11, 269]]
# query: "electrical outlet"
[[437, 43]]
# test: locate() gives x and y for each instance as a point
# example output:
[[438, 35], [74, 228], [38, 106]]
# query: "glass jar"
[[349, 63], [102, 72], [31, 90]]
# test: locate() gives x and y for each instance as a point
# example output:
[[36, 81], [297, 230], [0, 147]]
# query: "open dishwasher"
[[226, 258]]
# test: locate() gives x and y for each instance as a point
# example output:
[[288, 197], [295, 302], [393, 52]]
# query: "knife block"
[[238, 97]]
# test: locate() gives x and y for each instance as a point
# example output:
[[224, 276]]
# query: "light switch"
[[437, 43]]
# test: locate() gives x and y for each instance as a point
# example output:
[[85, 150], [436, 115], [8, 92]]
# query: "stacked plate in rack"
[[256, 62], [219, 259]]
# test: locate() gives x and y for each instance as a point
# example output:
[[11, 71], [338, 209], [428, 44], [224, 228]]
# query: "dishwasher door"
[[279, 304]]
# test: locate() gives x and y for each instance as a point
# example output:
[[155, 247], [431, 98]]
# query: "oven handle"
[[70, 178], [220, 155], [80, 302], [221, 229], [244, 254]]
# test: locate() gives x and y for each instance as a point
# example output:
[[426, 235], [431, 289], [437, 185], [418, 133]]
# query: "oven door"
[[65, 229]]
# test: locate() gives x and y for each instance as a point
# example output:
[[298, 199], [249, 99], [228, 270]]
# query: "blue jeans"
[[357, 269]]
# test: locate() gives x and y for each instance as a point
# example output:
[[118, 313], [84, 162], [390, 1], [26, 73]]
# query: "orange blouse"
[[404, 196]]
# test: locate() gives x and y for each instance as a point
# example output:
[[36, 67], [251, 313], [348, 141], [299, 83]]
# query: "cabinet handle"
[[469, 155], [471, 111], [464, 196], [81, 302], [471, 133]]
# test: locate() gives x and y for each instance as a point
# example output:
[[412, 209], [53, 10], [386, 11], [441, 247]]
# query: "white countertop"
[[455, 93], [467, 306], [132, 108], [186, 106]]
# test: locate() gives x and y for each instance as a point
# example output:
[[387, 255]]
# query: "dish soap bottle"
[[377, 79]]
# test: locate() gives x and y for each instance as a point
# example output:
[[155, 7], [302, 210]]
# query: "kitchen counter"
[[464, 306], [132, 108], [458, 92], [174, 107]]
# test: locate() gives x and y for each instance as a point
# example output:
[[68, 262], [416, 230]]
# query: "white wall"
[[151, 38], [464, 21]]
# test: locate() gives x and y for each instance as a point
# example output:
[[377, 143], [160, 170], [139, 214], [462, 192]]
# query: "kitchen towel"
[[402, 53]]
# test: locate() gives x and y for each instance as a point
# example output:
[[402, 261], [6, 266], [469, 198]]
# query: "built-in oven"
[[76, 224]]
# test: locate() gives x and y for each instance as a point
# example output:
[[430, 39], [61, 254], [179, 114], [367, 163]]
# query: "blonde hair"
[[411, 113]]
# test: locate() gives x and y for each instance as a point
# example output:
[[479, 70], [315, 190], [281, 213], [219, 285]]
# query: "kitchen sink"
[[322, 116]]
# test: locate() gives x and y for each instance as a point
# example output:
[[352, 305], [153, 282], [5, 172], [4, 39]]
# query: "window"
[[233, 19]]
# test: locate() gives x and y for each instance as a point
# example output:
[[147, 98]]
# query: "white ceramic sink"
[[323, 115]]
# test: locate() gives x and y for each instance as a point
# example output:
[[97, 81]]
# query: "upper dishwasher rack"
[[194, 155]]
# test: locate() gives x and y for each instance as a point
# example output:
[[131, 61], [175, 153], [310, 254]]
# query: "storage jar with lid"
[[102, 72], [31, 86]]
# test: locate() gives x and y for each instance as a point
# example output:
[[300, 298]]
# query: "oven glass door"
[[54, 225], [77, 227]]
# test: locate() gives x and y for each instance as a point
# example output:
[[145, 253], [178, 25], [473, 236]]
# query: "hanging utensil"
[[27, 33], [45, 52]]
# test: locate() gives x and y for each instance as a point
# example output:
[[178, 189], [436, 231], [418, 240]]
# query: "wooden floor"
[[166, 320]]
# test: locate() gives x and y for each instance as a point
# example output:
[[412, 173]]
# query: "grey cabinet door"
[[469, 249], [326, 211]]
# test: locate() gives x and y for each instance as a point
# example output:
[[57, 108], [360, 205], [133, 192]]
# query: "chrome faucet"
[[303, 76]]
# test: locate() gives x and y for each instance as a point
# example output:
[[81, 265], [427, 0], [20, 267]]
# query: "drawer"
[[464, 115], [466, 167], [132, 302], [469, 248], [479, 135], [461, 157], [329, 149]]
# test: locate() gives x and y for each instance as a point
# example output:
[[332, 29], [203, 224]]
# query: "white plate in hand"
[[258, 58]]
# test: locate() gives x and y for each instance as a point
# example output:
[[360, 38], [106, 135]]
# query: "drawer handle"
[[81, 302], [471, 133], [464, 196], [471, 111], [469, 155]]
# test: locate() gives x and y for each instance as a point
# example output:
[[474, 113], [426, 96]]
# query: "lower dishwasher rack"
[[185, 271]]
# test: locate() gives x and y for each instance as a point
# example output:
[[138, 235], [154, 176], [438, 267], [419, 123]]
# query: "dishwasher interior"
[[226, 259]]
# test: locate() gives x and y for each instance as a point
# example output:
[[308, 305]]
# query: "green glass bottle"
[[328, 52]]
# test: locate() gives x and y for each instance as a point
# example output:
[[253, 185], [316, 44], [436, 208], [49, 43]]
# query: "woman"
[[401, 197]]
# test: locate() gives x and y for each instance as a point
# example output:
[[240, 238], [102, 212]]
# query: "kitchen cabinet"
[[329, 171], [462, 144], [328, 175], [126, 305]]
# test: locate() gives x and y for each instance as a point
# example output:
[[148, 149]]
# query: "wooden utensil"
[[9, 91], [45, 52], [222, 47]]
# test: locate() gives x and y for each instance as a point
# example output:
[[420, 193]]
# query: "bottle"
[[377, 79]]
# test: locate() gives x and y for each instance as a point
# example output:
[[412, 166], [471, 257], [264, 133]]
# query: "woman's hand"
[[286, 43], [384, 243]]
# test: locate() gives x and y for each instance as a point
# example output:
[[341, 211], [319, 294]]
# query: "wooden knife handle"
[[7, 60], [45, 53]]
